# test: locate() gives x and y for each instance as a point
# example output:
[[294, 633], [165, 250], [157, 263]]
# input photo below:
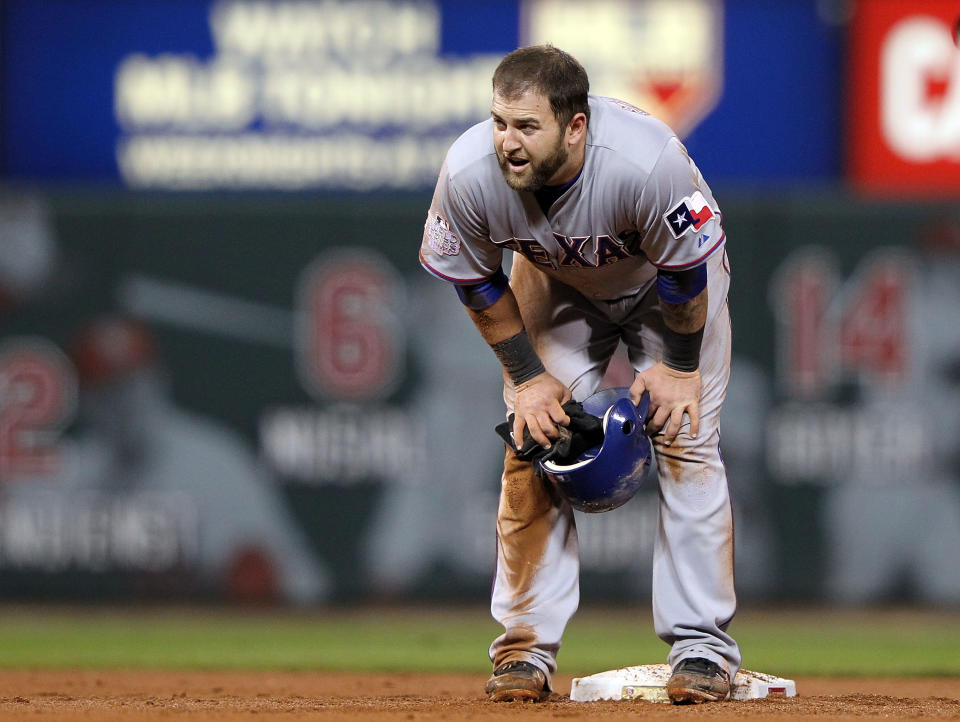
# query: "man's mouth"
[[518, 163]]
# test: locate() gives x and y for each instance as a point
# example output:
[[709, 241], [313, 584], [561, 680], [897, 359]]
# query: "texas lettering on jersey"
[[691, 212], [571, 251]]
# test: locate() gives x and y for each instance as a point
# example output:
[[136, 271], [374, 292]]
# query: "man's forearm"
[[501, 326], [687, 317], [684, 332], [500, 321]]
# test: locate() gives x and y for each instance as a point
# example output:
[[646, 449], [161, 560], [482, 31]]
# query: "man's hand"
[[538, 407], [672, 393]]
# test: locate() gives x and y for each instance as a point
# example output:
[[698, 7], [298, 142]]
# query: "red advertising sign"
[[903, 127]]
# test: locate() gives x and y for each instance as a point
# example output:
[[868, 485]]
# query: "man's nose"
[[511, 140]]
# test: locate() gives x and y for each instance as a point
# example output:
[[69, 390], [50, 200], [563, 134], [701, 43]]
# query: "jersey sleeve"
[[677, 213], [456, 242]]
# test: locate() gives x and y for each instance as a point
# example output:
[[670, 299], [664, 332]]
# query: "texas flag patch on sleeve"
[[692, 212]]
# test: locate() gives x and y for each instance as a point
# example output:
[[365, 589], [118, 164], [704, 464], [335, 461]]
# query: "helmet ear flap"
[[643, 408], [620, 419], [629, 419]]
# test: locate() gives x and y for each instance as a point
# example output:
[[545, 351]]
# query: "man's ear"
[[576, 127]]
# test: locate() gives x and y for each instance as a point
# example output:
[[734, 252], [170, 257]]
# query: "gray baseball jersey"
[[639, 204], [584, 282]]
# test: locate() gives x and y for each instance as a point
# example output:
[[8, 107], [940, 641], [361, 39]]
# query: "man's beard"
[[540, 171]]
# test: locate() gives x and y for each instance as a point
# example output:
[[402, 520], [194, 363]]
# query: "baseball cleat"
[[517, 682], [697, 680]]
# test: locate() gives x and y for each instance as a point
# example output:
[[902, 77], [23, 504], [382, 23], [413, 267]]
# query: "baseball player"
[[137, 441], [616, 237]]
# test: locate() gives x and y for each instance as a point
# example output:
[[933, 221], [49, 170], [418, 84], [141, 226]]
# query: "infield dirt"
[[198, 696]]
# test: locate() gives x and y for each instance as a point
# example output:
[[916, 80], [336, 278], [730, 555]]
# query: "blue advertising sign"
[[364, 95]]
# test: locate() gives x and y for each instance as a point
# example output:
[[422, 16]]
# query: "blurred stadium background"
[[223, 375]]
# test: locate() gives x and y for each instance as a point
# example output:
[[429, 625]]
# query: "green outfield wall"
[[265, 397]]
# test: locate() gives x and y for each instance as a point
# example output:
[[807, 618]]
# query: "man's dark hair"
[[550, 71]]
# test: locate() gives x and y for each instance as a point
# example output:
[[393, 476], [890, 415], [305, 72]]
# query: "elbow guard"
[[478, 296], [678, 287]]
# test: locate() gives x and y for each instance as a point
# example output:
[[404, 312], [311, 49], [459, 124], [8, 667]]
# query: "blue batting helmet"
[[607, 476]]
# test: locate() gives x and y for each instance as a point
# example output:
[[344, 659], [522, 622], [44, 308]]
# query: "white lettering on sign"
[[346, 445], [89, 532], [324, 94], [281, 31], [920, 91], [181, 92], [281, 162], [821, 443]]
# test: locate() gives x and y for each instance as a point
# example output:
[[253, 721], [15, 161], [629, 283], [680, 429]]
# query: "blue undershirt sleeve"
[[478, 296], [680, 286]]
